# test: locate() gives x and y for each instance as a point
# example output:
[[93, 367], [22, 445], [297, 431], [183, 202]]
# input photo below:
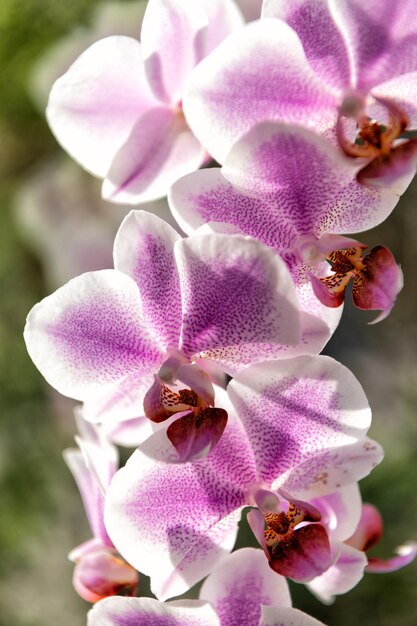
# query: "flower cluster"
[[203, 351]]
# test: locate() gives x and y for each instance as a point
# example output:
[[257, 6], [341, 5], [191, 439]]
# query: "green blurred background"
[[41, 516]]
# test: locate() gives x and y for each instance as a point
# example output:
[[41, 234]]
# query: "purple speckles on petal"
[[90, 334], [241, 584], [302, 406], [144, 250], [239, 304]]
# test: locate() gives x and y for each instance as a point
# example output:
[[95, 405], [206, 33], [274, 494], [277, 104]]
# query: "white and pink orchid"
[[118, 109], [321, 64], [118, 338], [297, 425], [295, 192]]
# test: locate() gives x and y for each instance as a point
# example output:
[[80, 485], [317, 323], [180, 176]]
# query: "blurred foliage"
[[41, 516]]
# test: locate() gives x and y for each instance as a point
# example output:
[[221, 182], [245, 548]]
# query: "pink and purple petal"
[[149, 612], [315, 333], [100, 455], [159, 150], [258, 73], [340, 512], [94, 106], [90, 334], [332, 469], [405, 555], [342, 576], [129, 433], [326, 198], [377, 285], [239, 303], [261, 192], [174, 522], [380, 38], [144, 250], [296, 410], [240, 585], [368, 530], [322, 41], [331, 289]]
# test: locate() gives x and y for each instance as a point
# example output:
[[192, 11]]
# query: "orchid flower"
[[295, 192], [241, 590], [99, 571], [134, 340], [118, 109], [329, 65], [296, 425]]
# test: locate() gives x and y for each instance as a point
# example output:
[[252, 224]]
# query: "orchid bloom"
[[118, 109], [295, 192], [99, 571], [241, 590], [377, 279], [338, 67], [296, 425], [134, 340]]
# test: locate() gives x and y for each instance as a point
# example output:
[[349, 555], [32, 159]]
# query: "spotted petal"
[[90, 334], [297, 412], [322, 41], [261, 192], [174, 522], [239, 303], [241, 584], [144, 250]]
